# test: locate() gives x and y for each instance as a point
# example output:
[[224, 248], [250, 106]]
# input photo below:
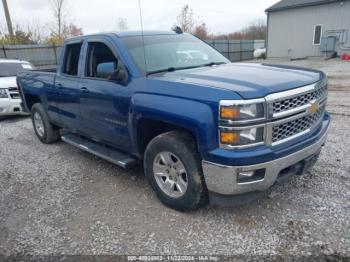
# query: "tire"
[[176, 146], [45, 131]]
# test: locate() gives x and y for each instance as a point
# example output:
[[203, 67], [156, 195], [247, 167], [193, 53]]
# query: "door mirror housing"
[[105, 70], [119, 75], [112, 71]]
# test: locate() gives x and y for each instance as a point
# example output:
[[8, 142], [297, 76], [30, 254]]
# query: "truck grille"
[[288, 115], [13, 91], [301, 100], [294, 127]]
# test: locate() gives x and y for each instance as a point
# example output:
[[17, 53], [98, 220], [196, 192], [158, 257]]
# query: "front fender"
[[195, 116]]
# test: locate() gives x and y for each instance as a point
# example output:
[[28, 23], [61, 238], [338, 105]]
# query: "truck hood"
[[6, 82], [248, 80]]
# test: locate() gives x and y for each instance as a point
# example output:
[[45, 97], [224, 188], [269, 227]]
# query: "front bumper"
[[11, 107], [222, 179]]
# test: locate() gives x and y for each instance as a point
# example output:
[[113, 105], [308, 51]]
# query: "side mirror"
[[119, 75], [105, 70]]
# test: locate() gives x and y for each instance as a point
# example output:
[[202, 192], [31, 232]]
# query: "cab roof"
[[125, 34], [145, 33]]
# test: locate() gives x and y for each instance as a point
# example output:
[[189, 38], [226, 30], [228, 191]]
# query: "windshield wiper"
[[169, 69], [172, 69], [214, 63]]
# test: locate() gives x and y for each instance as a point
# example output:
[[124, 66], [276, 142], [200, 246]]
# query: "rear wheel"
[[45, 131], [173, 169]]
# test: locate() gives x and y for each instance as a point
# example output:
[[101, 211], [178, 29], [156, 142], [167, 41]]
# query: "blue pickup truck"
[[205, 129]]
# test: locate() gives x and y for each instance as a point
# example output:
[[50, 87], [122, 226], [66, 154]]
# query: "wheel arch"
[[148, 128], [31, 100], [152, 115]]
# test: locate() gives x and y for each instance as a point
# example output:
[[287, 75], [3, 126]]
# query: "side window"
[[317, 34], [101, 62], [71, 59]]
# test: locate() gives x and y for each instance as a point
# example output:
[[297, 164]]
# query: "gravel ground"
[[56, 199]]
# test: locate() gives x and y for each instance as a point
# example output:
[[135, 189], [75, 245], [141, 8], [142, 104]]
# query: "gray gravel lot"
[[56, 199]]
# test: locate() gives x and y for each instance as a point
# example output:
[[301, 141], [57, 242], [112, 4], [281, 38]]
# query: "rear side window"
[[71, 59]]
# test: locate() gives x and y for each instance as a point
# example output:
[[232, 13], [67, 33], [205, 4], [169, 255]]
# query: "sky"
[[220, 16]]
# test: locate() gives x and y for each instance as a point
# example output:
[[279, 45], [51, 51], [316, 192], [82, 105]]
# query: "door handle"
[[84, 89], [59, 85]]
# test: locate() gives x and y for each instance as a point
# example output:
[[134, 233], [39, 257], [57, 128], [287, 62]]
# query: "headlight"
[[242, 111], [243, 137], [242, 123], [3, 93]]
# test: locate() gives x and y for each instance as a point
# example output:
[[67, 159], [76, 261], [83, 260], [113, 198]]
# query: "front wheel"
[[45, 131], [173, 169]]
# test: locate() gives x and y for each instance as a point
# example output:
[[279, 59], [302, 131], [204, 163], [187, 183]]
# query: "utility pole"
[[8, 18]]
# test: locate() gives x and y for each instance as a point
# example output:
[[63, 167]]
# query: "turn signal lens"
[[228, 112], [229, 137]]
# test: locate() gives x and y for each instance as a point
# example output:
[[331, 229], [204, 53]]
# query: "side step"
[[121, 159]]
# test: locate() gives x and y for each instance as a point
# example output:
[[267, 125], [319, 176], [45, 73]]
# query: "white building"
[[308, 28]]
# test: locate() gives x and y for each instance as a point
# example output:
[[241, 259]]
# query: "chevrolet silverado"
[[205, 129]]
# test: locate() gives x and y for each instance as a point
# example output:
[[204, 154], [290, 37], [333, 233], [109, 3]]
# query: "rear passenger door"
[[104, 103], [67, 86]]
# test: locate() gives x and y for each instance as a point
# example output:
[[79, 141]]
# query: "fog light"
[[250, 176]]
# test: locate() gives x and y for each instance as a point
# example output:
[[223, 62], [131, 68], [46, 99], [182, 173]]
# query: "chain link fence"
[[47, 56], [42, 56], [237, 50]]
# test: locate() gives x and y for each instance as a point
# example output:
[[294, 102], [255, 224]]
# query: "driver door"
[[104, 103]]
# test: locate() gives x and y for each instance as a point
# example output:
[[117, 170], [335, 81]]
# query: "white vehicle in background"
[[10, 99]]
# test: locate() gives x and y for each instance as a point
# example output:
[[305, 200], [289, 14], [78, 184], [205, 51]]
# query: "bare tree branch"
[[185, 19], [59, 8], [201, 31], [122, 24]]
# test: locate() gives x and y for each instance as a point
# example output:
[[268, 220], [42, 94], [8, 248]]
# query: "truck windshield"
[[171, 52], [11, 69]]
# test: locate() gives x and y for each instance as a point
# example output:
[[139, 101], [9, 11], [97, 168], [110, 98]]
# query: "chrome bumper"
[[223, 179]]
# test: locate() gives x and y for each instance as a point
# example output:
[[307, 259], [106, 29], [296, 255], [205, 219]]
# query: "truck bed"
[[35, 83]]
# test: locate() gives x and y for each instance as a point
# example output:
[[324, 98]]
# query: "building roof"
[[289, 4]]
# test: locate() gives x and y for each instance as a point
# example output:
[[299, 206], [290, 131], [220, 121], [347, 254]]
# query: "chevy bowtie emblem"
[[313, 107]]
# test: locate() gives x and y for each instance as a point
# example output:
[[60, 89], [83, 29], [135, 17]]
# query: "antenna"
[[177, 29], [143, 37]]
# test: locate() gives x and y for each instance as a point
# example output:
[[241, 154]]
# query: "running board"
[[121, 159]]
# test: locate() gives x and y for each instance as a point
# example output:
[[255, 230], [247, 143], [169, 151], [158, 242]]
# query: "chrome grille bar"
[[295, 101], [289, 112], [13, 92], [288, 115], [287, 131]]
